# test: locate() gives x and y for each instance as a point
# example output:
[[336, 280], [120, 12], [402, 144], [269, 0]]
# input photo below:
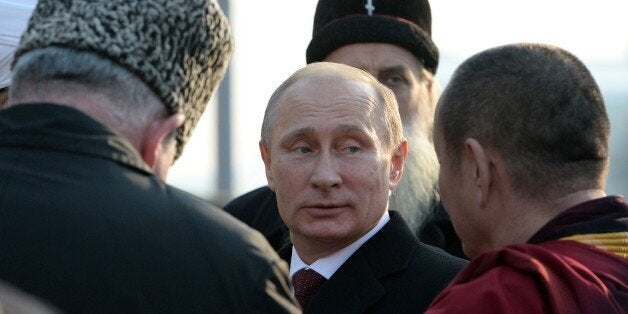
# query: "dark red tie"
[[306, 282]]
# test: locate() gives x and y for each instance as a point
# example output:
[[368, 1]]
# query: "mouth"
[[324, 210]]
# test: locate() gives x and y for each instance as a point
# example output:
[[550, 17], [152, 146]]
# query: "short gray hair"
[[131, 103]]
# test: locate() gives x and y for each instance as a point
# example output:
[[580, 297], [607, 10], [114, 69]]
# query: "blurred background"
[[222, 159]]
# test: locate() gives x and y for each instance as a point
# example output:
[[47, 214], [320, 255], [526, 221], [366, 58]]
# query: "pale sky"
[[271, 38]]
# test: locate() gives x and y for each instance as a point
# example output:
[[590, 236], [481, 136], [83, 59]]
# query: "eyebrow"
[[349, 128], [300, 132], [395, 69], [309, 131]]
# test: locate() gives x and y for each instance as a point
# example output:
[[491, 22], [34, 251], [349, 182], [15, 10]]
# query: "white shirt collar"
[[328, 265]]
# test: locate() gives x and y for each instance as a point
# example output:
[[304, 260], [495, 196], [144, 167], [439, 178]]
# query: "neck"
[[312, 250], [573, 199], [530, 217]]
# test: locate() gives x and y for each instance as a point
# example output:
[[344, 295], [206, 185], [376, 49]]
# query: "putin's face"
[[329, 161]]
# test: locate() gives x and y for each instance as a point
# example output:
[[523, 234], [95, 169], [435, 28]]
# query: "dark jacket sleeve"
[[253, 275], [258, 209]]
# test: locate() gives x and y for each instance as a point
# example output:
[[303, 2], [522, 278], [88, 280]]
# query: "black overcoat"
[[390, 273], [87, 226]]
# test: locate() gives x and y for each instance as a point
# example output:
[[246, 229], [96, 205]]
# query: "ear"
[[264, 151], [153, 144], [397, 161], [480, 163]]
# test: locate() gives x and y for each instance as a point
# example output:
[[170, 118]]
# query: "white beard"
[[417, 194]]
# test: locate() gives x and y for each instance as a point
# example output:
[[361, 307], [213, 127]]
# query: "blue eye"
[[352, 149], [393, 80], [303, 150]]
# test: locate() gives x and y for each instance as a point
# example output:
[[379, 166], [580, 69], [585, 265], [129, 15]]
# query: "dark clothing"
[[438, 231], [258, 209], [391, 273], [555, 272], [87, 226]]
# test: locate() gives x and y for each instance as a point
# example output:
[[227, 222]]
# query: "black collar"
[[62, 128]]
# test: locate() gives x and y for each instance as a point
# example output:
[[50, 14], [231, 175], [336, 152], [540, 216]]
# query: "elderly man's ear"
[[397, 161], [159, 147]]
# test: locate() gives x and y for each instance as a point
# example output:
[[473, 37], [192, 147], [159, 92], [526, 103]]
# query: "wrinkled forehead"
[[329, 88], [326, 101]]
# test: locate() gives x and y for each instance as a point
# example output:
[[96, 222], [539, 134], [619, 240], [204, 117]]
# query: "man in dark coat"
[[391, 40], [104, 95], [333, 150]]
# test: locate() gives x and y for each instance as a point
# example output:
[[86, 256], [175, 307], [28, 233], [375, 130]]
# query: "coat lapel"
[[352, 289], [357, 285]]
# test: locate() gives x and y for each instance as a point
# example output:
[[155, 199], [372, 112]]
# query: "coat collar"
[[603, 215], [63, 128]]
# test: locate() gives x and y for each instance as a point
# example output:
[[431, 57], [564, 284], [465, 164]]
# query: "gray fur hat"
[[179, 48]]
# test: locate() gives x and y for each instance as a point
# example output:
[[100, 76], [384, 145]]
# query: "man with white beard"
[[391, 41], [417, 197]]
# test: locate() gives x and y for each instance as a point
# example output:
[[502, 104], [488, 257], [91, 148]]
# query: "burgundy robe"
[[551, 274]]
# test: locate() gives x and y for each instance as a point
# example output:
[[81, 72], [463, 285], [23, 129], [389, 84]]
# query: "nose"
[[325, 175]]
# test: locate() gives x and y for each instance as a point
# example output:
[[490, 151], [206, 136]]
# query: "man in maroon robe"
[[521, 133]]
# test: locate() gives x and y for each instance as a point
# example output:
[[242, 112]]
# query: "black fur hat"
[[405, 23]]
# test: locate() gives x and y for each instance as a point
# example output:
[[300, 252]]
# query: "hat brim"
[[379, 28]]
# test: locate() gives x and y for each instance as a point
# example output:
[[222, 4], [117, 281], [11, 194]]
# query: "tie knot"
[[306, 282]]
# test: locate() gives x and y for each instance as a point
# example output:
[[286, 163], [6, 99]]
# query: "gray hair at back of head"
[[130, 103], [386, 101]]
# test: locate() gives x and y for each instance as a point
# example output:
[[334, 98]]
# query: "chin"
[[327, 233]]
